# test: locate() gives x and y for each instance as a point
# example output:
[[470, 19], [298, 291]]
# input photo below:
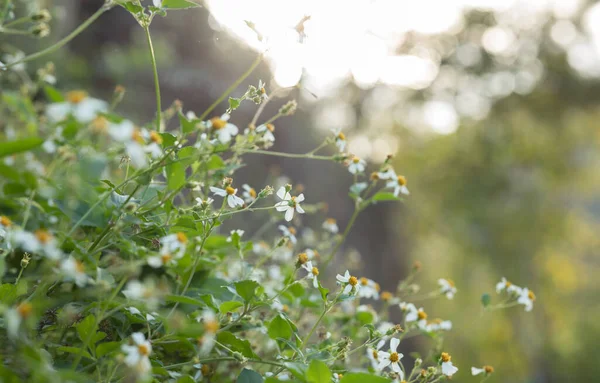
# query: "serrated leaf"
[[279, 328], [106, 348], [229, 306], [318, 372], [175, 176], [75, 351], [8, 148], [185, 300], [85, 327], [246, 289], [236, 344], [234, 103]]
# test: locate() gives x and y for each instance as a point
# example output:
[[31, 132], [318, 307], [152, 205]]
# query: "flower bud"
[[43, 16], [40, 30], [288, 108]]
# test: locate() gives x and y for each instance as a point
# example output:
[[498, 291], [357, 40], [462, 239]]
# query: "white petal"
[[281, 192], [394, 342], [217, 191], [299, 209], [289, 214], [138, 337]]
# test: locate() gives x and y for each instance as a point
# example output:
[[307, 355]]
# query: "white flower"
[[268, 130], [356, 165], [143, 292], [313, 273], [203, 370], [336, 377], [78, 104], [135, 142], [447, 287], [330, 225], [486, 370], [174, 244], [229, 193], [368, 289], [211, 326], [13, 318], [387, 174], [232, 232], [289, 204], [526, 298], [373, 354], [349, 282], [340, 140], [391, 358], [399, 185], [508, 286], [410, 312], [223, 129], [5, 224], [439, 325], [157, 4], [249, 193], [289, 232], [138, 353], [204, 203], [39, 242], [74, 270], [448, 368], [133, 310]]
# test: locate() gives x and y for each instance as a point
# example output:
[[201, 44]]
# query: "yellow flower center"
[[79, 267], [292, 230], [386, 296], [99, 124], [24, 309], [450, 282], [165, 258], [375, 354], [488, 369], [156, 138], [181, 237], [229, 190], [217, 123], [43, 236], [446, 357], [364, 281], [271, 127], [76, 96], [508, 284], [401, 180], [302, 258], [394, 357], [252, 193], [5, 221], [421, 314], [353, 281], [137, 136], [341, 136], [285, 308], [262, 91], [211, 326], [374, 176], [315, 271], [205, 369], [531, 295], [355, 159], [377, 287], [143, 350]]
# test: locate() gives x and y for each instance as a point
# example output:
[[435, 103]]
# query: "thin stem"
[[59, 44], [9, 31], [291, 155], [232, 87], [225, 358], [156, 83], [344, 235], [18, 21]]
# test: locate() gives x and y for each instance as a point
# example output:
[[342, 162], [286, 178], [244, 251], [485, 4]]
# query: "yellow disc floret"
[[353, 281], [76, 96], [217, 123], [446, 357], [229, 190]]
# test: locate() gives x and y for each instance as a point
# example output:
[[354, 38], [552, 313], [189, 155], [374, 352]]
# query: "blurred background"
[[491, 107]]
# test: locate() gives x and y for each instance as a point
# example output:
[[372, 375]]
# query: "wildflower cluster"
[[122, 260]]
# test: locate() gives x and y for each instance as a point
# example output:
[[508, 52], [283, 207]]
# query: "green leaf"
[[486, 299], [132, 7], [249, 376], [385, 196], [365, 317], [187, 126], [236, 344], [323, 292], [229, 306], [168, 139], [2, 267], [18, 146], [178, 4], [175, 176], [53, 94], [75, 351], [362, 377], [234, 103], [85, 327], [279, 328], [107, 348], [185, 300], [318, 372], [215, 162], [246, 289], [8, 293], [297, 369]]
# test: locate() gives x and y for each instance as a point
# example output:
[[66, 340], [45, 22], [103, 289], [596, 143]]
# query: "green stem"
[[225, 358], [9, 31], [156, 82], [59, 44], [232, 87], [18, 21], [291, 155]]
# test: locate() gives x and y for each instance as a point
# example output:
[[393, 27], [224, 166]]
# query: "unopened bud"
[[418, 362], [42, 15], [40, 30], [25, 260], [227, 181], [288, 108]]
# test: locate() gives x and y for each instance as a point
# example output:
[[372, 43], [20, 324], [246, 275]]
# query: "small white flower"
[[204, 203], [202, 371], [13, 318], [439, 325], [268, 130], [373, 354], [249, 193], [157, 3], [399, 185], [11, 58], [229, 194], [289, 232], [368, 288], [5, 225], [211, 326], [349, 282], [39, 242], [174, 245], [526, 298], [508, 286], [142, 292], [356, 165], [74, 270], [486, 370], [313, 273], [232, 232], [223, 129], [137, 353], [340, 140], [289, 204], [387, 174], [330, 225], [391, 358], [79, 105], [447, 287], [410, 312], [448, 368]]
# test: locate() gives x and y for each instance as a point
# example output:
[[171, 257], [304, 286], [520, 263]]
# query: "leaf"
[[215, 162], [249, 376], [323, 292], [486, 299], [185, 300], [132, 7], [279, 328], [234, 103], [318, 372], [75, 351], [18, 146], [85, 327], [175, 176], [53, 94], [246, 289], [362, 377], [187, 126], [297, 369], [365, 317], [229, 306], [179, 4], [106, 348], [291, 345], [168, 139], [8, 294], [385, 196], [236, 344]]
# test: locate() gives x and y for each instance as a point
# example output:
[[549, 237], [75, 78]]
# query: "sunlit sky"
[[362, 41]]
